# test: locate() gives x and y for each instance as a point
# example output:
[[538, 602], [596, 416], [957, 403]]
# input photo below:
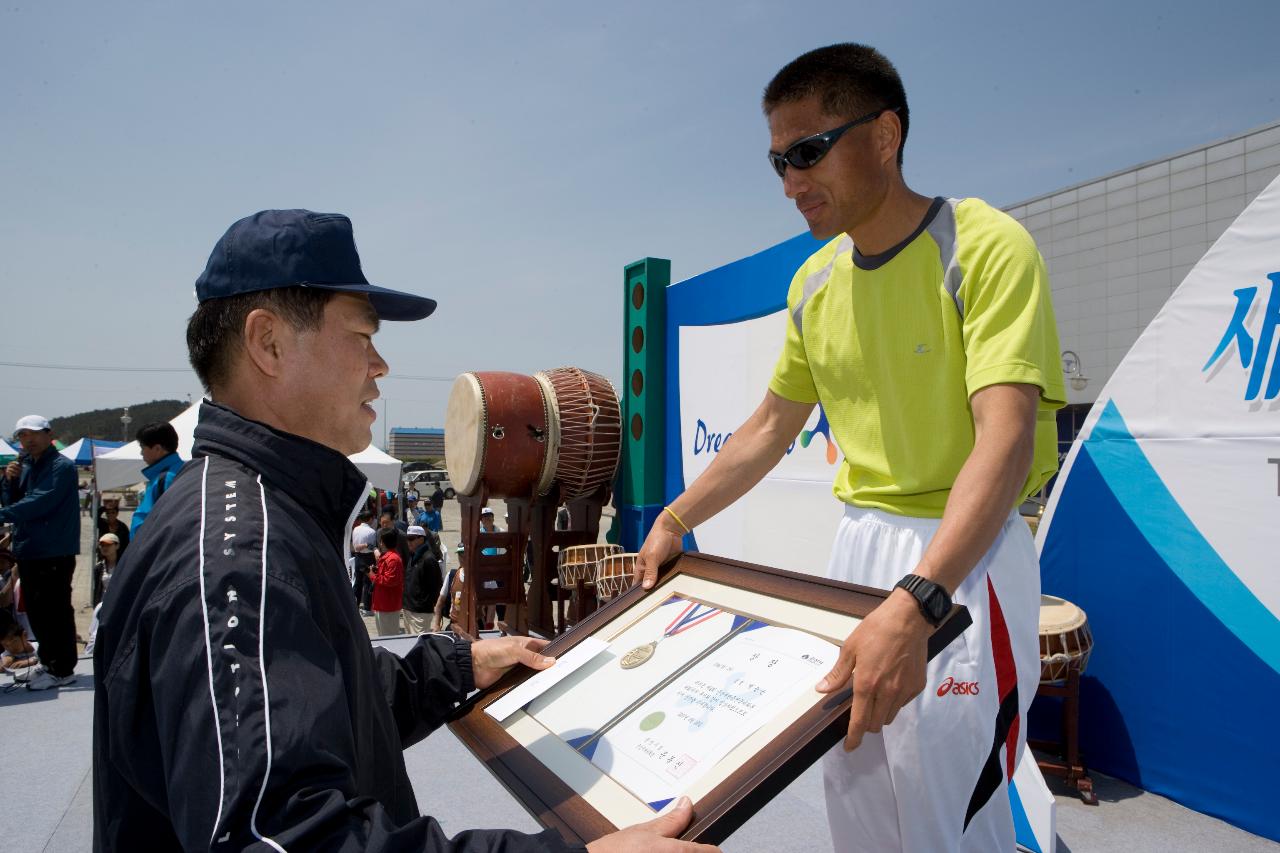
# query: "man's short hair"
[[162, 434], [851, 79], [365, 515], [389, 513], [215, 332]]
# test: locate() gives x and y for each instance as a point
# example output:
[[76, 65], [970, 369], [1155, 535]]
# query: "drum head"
[[547, 475], [464, 429], [1057, 615], [589, 419]]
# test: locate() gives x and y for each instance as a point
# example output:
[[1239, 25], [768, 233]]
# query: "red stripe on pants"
[[1006, 670]]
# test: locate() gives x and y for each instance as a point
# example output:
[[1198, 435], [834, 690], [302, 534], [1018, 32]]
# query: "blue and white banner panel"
[[1165, 528]]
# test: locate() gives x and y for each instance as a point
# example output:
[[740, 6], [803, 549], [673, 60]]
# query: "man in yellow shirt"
[[925, 329]]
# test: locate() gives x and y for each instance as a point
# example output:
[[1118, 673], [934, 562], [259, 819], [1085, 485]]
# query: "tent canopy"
[[123, 467], [7, 452], [84, 451]]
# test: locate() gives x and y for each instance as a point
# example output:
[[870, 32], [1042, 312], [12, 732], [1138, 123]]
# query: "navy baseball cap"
[[298, 248]]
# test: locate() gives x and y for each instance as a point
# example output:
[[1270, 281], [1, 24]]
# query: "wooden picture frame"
[[583, 803]]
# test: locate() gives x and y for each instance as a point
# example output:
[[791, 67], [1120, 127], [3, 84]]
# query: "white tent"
[[382, 469], [123, 467], [84, 450], [7, 449]]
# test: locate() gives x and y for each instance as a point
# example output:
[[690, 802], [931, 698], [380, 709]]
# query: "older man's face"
[[34, 442], [331, 376]]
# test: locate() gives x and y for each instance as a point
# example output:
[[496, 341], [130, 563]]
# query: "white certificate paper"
[[658, 727]]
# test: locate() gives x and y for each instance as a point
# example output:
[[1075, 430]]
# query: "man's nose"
[[794, 181], [377, 365]]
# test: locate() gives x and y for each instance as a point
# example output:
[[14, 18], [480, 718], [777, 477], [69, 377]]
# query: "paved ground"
[[47, 753], [51, 765]]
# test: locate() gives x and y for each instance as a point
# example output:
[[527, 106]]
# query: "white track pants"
[[936, 780]]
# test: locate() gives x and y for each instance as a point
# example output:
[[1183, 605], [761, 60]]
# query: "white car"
[[426, 482]]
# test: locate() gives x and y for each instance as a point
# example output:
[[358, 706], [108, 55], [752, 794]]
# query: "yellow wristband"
[[669, 511]]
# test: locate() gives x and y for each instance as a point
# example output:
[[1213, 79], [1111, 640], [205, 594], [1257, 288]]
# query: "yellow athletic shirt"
[[894, 345]]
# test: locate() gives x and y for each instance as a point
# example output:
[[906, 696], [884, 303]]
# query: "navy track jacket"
[[44, 507], [238, 702]]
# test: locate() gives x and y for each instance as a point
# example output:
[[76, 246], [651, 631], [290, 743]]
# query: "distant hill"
[[105, 423]]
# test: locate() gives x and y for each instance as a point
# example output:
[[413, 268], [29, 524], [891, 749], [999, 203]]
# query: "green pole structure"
[[644, 380]]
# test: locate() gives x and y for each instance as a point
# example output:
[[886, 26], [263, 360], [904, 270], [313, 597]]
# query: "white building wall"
[[1117, 247]]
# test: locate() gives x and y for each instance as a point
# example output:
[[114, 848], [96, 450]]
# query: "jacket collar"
[[172, 462], [320, 479]]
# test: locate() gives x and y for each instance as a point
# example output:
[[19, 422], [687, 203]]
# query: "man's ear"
[[889, 134], [265, 337]]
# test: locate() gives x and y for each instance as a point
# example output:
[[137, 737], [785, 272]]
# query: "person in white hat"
[[421, 580], [109, 551], [39, 496]]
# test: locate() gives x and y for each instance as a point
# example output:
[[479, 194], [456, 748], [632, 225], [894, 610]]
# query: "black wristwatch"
[[933, 600]]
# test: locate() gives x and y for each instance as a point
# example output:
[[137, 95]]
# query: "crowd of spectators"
[[400, 569], [42, 500]]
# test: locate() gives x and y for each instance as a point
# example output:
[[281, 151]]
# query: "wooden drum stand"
[[1066, 763], [493, 579]]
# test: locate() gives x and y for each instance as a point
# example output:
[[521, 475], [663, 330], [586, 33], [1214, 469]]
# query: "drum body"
[[578, 563], [496, 434], [613, 575], [1065, 639], [586, 433]]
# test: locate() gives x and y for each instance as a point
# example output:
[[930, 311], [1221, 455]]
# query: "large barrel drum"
[[587, 436], [516, 436], [496, 434]]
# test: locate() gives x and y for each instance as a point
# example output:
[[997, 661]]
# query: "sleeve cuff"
[[1016, 373], [462, 657], [787, 392]]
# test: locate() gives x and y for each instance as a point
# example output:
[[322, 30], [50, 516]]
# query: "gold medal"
[[639, 655], [692, 615]]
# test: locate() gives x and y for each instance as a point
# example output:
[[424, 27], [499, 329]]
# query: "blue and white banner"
[[788, 520], [1165, 528]]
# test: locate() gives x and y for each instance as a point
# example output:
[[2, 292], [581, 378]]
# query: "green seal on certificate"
[[652, 721]]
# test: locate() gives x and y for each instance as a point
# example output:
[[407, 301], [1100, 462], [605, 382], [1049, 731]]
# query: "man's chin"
[[357, 442], [821, 228], [821, 231]]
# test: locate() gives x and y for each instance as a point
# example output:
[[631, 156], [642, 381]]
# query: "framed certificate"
[[702, 686]]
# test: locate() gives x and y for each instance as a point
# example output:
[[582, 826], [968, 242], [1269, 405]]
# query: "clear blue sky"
[[509, 158]]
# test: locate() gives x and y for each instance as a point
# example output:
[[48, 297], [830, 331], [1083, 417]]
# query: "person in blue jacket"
[[39, 494], [429, 517], [159, 445]]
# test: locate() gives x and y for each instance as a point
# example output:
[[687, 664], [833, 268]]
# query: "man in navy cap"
[[240, 703]]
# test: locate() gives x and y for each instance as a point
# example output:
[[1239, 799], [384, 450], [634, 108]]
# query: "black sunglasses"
[[806, 153]]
